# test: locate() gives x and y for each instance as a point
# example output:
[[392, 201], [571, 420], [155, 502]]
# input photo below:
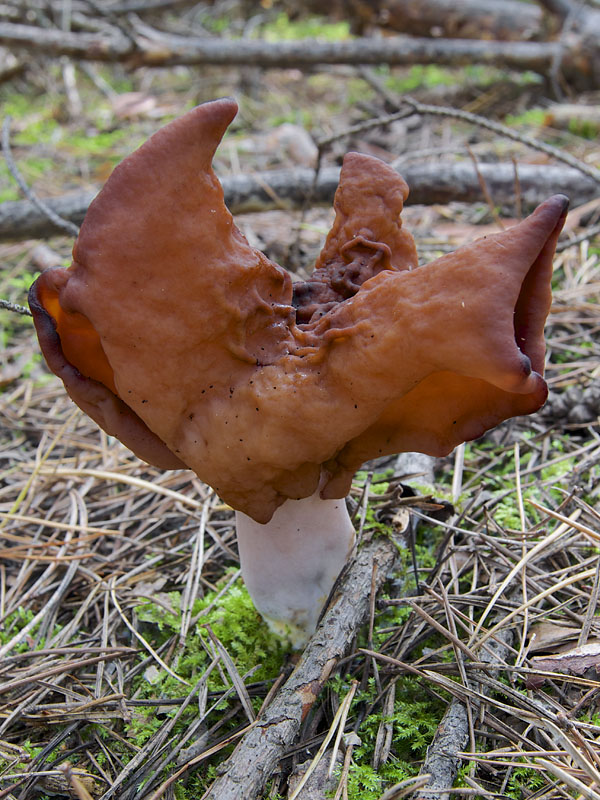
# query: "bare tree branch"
[[22, 220], [431, 183], [443, 754], [467, 19], [15, 308], [145, 6], [65, 225], [256, 757], [155, 48], [114, 34], [505, 130]]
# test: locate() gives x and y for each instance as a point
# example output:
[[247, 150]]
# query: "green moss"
[[553, 477], [196, 784], [523, 782], [22, 281], [585, 128], [13, 763], [358, 91], [234, 621], [507, 515], [414, 720], [421, 76], [555, 472], [534, 117], [82, 142], [247, 639], [429, 76], [551, 481], [144, 724], [119, 80], [283, 28], [38, 130], [302, 117], [12, 624]]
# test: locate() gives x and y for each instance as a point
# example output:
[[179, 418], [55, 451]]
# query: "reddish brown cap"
[[264, 389]]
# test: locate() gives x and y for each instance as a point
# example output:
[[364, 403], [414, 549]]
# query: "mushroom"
[[196, 350]]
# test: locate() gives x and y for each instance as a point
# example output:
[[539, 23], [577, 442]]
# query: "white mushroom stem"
[[290, 564]]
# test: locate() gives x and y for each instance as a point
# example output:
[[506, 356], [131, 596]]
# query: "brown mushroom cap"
[[260, 387]]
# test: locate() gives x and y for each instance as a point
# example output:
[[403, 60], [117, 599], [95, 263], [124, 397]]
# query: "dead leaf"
[[548, 636], [572, 662]]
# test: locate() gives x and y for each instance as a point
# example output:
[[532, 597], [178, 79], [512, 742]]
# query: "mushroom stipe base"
[[291, 563]]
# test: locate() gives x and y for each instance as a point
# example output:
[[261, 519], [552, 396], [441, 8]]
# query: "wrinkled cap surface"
[[195, 350]]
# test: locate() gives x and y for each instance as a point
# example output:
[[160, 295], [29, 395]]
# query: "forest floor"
[[111, 681]]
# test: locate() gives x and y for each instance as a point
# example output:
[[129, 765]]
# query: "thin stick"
[[193, 579], [345, 707], [504, 130], [521, 507], [591, 609], [15, 308], [64, 224], [339, 718]]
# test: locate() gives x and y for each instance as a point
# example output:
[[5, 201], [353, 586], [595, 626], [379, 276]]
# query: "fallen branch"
[[62, 224], [443, 754], [147, 6], [258, 754], [431, 183], [581, 16], [23, 220], [158, 49], [15, 308], [467, 19], [576, 56], [505, 131], [444, 183]]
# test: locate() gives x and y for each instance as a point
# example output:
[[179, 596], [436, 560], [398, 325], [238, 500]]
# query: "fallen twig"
[[443, 755], [431, 183], [504, 130], [256, 757], [66, 226], [15, 307], [153, 48]]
